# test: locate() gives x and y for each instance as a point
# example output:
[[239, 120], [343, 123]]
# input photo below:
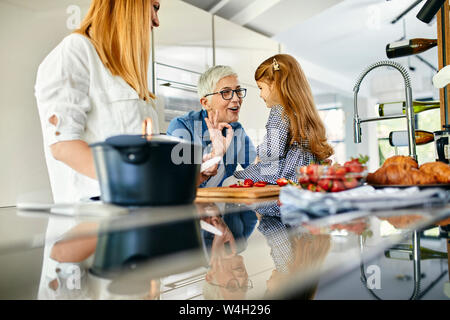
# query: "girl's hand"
[[220, 143]]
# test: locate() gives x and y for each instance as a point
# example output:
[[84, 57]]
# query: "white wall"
[[29, 30], [244, 50]]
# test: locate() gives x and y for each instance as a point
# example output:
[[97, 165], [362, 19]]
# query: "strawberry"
[[312, 169], [304, 179], [303, 169], [260, 184], [313, 172], [354, 166], [312, 187], [340, 172], [360, 160], [350, 183], [337, 186], [331, 171], [282, 182], [248, 183], [325, 184]]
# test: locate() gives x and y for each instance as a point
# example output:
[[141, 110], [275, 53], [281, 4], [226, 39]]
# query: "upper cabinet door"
[[184, 37], [241, 48]]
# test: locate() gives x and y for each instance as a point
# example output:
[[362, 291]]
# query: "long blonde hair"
[[293, 89], [120, 32]]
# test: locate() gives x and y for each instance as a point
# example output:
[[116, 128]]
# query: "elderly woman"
[[216, 126]]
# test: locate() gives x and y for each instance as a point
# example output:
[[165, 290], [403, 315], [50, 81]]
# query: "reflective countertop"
[[233, 249]]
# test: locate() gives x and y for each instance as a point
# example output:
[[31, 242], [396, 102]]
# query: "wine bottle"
[[397, 108], [400, 138], [405, 252], [409, 47]]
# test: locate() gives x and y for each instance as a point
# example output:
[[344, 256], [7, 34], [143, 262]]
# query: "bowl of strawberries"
[[335, 177]]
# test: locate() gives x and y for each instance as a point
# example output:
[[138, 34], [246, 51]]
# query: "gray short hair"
[[208, 80]]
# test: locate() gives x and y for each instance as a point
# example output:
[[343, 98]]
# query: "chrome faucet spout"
[[410, 116], [357, 129]]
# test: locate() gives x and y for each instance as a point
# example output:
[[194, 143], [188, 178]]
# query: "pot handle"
[[135, 156]]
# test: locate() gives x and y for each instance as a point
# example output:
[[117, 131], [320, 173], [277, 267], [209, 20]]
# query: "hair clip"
[[276, 66]]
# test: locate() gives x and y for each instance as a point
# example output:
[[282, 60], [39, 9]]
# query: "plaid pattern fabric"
[[277, 237], [278, 158], [269, 209]]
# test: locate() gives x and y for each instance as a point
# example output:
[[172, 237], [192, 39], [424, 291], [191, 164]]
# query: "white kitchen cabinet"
[[254, 114], [244, 50], [184, 38], [183, 50], [241, 48]]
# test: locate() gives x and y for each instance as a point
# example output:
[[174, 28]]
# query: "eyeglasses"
[[233, 285], [228, 94]]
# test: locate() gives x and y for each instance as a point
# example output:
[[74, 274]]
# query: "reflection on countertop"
[[163, 252]]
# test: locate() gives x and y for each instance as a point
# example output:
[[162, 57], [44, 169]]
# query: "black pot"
[[133, 249], [152, 170]]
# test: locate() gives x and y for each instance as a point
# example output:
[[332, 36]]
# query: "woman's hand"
[[208, 173], [220, 143], [218, 249]]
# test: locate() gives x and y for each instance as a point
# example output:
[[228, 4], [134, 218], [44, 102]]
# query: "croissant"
[[403, 170], [419, 177], [399, 174], [394, 173], [378, 177], [439, 170], [402, 160]]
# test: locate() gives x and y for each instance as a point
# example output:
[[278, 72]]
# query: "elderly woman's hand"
[[208, 173], [220, 143]]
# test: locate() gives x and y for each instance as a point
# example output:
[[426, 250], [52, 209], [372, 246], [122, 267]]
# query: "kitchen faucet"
[[410, 116]]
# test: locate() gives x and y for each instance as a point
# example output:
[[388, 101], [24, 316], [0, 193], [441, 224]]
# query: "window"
[[334, 120], [428, 121]]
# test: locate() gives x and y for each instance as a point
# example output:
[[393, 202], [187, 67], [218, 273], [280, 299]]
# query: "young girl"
[[295, 135]]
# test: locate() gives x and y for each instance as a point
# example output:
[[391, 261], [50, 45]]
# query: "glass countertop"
[[234, 249]]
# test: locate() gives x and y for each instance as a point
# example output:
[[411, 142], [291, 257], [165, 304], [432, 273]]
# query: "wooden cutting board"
[[247, 201], [227, 192]]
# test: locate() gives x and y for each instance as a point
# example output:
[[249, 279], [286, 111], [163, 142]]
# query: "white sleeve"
[[62, 90]]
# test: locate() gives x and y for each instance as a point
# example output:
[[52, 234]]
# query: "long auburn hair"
[[293, 89], [120, 32]]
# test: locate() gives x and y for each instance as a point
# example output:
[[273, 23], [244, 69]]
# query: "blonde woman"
[[295, 134], [93, 85]]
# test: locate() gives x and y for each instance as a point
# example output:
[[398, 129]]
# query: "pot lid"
[[125, 141], [138, 141]]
